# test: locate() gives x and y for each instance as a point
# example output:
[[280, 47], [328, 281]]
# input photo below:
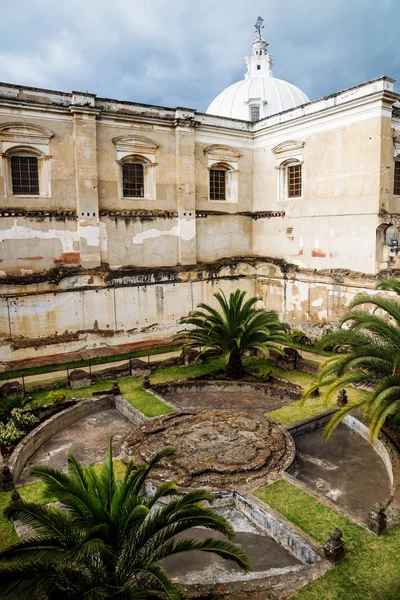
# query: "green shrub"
[[265, 372], [299, 337], [9, 434], [23, 419], [56, 397]]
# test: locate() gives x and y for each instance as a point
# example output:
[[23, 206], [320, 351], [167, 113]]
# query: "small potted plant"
[[9, 437]]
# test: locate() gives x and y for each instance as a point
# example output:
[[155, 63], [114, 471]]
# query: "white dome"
[[258, 89]]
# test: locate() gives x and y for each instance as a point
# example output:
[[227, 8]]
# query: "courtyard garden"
[[270, 400]]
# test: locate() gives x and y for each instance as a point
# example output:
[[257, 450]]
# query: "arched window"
[[289, 165], [134, 176], [25, 162], [223, 173], [218, 176], [136, 167], [26, 172]]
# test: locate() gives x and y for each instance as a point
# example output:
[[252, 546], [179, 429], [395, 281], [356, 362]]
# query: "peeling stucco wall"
[[85, 265]]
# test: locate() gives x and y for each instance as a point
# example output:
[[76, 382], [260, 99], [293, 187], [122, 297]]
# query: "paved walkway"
[[152, 358], [61, 374]]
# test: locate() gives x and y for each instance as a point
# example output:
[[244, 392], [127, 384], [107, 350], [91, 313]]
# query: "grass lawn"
[[297, 411], [370, 571], [131, 387]]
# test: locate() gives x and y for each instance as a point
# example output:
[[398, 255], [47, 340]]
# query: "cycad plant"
[[106, 539], [238, 326], [369, 358]]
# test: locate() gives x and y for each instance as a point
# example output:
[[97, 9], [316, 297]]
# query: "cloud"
[[183, 54]]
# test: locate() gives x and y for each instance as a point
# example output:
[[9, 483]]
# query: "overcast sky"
[[183, 53]]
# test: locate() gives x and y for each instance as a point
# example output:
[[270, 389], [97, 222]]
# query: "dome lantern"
[[260, 94]]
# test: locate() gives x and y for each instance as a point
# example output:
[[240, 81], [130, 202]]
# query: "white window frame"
[[229, 174], [287, 155], [227, 158], [26, 139], [137, 149], [149, 189]]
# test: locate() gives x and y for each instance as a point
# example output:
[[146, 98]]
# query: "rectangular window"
[[254, 113], [133, 180], [294, 181], [217, 184], [396, 182], [25, 175]]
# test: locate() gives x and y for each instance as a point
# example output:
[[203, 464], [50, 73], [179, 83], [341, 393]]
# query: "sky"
[[182, 53]]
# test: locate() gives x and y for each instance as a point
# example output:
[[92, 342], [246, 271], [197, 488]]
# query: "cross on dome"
[[259, 94]]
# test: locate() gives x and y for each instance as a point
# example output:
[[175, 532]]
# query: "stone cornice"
[[268, 214], [40, 213]]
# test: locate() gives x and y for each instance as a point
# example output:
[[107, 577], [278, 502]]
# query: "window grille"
[[294, 181], [396, 182], [217, 184], [133, 180], [254, 113], [25, 175]]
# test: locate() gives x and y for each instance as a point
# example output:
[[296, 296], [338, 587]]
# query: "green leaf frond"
[[390, 284], [223, 548], [339, 416]]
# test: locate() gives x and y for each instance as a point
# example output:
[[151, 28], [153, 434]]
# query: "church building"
[[117, 218]]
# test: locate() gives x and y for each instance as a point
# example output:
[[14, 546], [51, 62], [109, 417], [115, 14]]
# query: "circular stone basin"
[[223, 449]]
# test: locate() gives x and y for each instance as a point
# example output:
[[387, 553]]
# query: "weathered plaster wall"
[[33, 245], [135, 241], [113, 309], [333, 224], [223, 236]]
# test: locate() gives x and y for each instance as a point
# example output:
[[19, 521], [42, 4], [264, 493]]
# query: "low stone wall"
[[386, 451], [279, 531], [285, 580], [129, 412], [281, 389], [38, 436], [311, 424]]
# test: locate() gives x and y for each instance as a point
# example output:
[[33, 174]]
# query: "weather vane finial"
[[259, 25]]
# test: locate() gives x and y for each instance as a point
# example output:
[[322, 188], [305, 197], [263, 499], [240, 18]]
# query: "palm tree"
[[370, 359], [106, 540], [236, 328]]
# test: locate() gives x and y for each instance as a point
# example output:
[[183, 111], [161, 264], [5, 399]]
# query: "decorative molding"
[[25, 133], [290, 146], [222, 153], [135, 144]]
